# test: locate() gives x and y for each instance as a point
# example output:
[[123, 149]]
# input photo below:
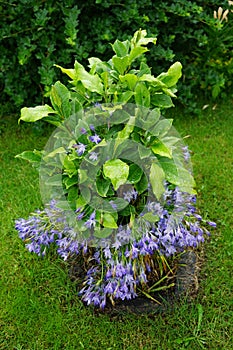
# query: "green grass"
[[39, 308]]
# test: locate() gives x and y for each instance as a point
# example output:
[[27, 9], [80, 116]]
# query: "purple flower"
[[134, 194], [80, 148], [80, 216], [91, 221], [211, 223], [127, 196], [96, 139], [186, 153], [113, 205], [93, 156], [83, 131], [92, 127]]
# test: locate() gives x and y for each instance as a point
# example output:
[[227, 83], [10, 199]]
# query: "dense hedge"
[[37, 34]]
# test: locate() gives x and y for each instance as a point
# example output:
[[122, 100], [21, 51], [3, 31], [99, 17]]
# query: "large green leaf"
[[130, 79], [173, 74], [127, 130], [120, 63], [69, 167], [161, 100], [142, 185], [142, 95], [150, 217], [60, 98], [162, 128], [59, 150], [117, 171], [121, 48], [70, 181], [109, 221], [176, 174], [157, 178], [102, 232], [69, 72], [136, 52], [33, 157], [135, 173], [160, 148], [125, 96], [90, 82], [32, 114], [102, 186]]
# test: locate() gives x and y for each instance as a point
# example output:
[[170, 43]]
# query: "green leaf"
[[135, 173], [69, 72], [85, 194], [80, 202], [31, 156], [139, 38], [109, 221], [55, 180], [160, 148], [125, 96], [82, 176], [69, 182], [142, 185], [143, 151], [32, 114], [150, 217], [102, 186], [173, 74], [128, 129], [142, 95], [152, 118], [161, 100], [178, 175], [69, 167], [120, 63], [152, 80], [130, 79], [157, 178], [102, 232], [136, 52], [121, 48], [73, 196], [60, 98], [59, 150], [117, 171], [162, 127], [119, 116], [90, 82]]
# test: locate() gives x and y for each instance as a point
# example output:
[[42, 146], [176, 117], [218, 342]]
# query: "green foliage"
[[36, 35], [131, 142]]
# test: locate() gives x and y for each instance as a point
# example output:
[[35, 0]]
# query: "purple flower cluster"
[[115, 281], [121, 264], [35, 230]]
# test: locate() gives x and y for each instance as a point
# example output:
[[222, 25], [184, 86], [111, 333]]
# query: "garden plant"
[[115, 177]]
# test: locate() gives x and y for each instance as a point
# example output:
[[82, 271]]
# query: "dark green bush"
[[35, 35]]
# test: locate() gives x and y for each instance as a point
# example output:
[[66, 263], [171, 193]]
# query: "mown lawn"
[[38, 305]]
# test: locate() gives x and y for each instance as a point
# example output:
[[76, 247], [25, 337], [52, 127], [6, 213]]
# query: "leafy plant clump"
[[115, 177]]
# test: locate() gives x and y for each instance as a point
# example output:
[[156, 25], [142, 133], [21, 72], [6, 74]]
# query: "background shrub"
[[37, 34]]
